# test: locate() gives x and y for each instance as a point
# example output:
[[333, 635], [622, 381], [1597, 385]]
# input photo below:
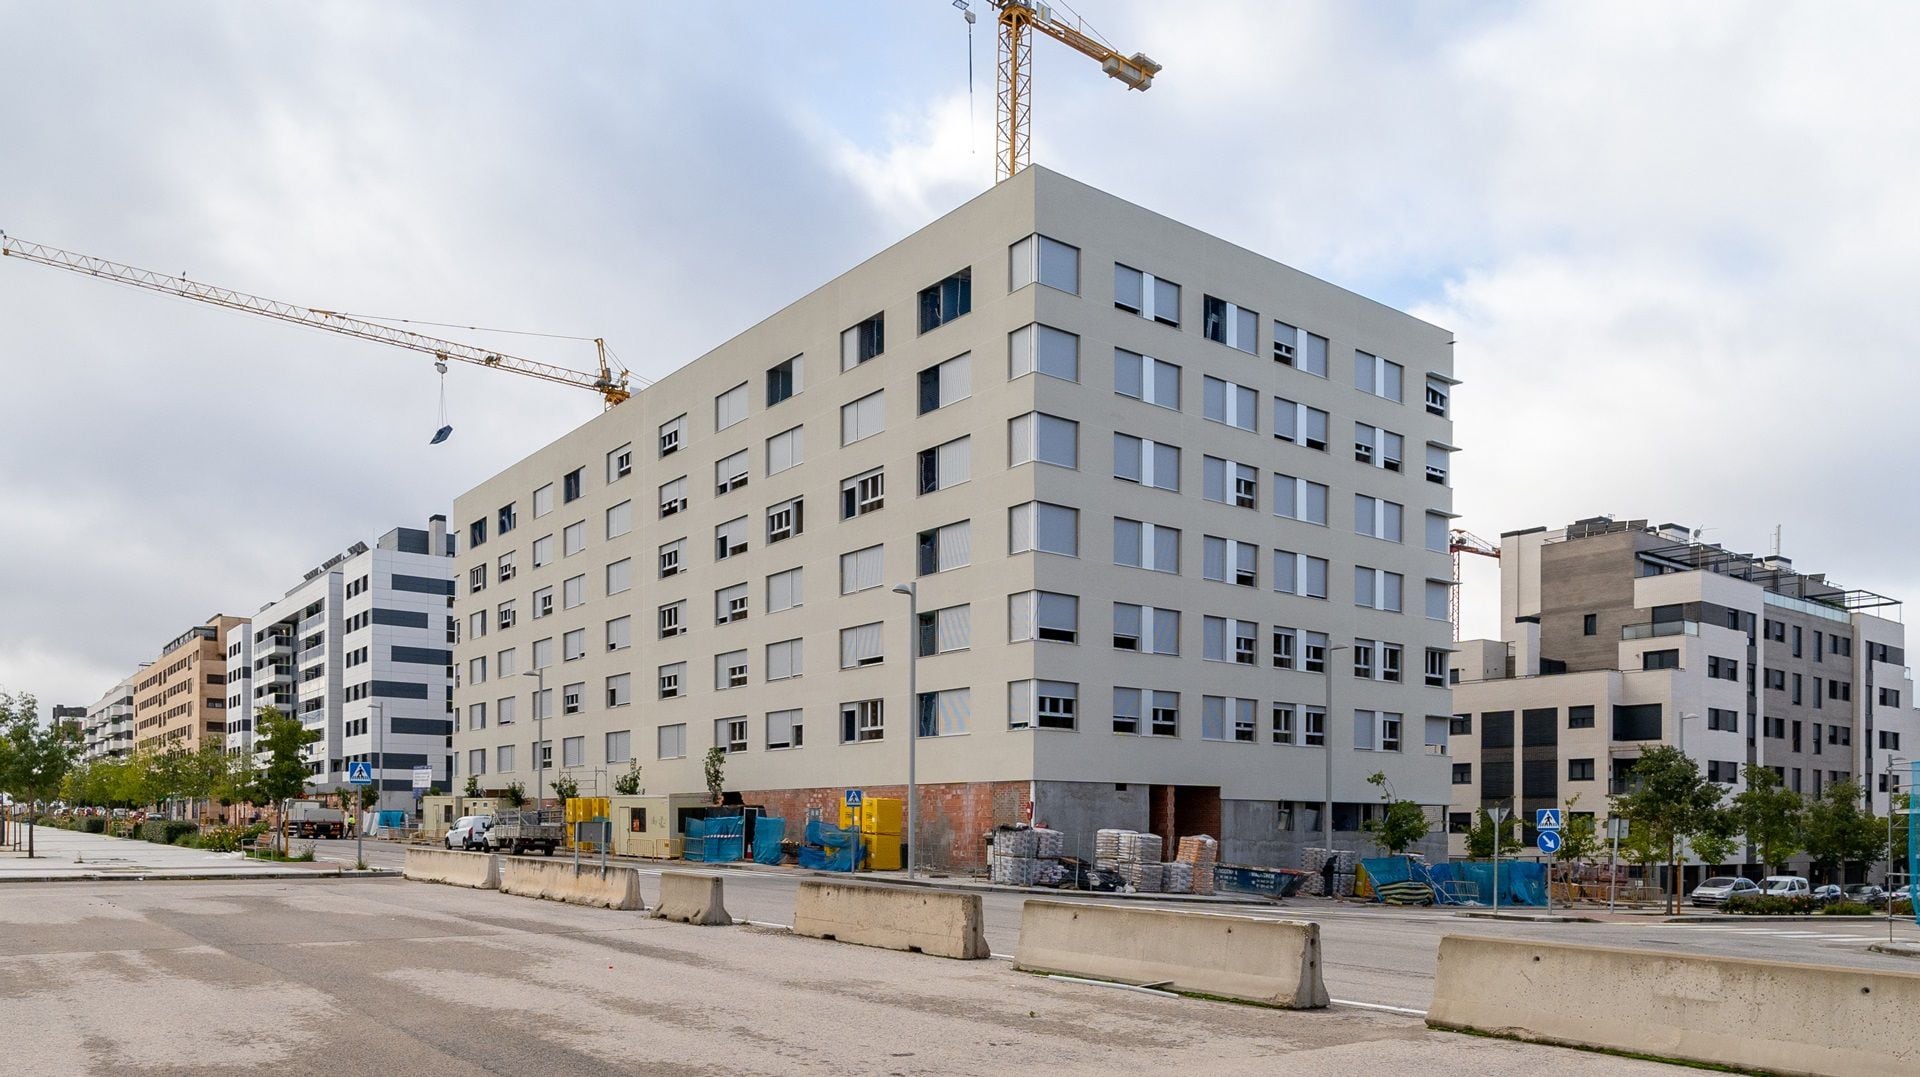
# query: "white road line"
[[1378, 1006]]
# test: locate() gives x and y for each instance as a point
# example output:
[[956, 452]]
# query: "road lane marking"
[[1378, 1006]]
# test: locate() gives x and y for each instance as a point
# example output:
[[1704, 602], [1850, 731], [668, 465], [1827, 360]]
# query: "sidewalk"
[[65, 855]]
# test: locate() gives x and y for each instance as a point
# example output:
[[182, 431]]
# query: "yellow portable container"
[[582, 810], [882, 820]]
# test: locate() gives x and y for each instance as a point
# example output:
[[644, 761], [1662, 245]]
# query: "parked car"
[[1827, 895], [1718, 889], [469, 832], [1866, 894], [1786, 886]]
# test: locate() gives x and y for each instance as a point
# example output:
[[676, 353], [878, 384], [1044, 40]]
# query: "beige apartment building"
[[1619, 635], [181, 698], [1157, 494]]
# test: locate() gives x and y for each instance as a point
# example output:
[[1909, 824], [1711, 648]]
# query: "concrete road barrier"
[[1730, 1011], [939, 922], [1272, 962], [692, 899], [555, 880], [478, 870]]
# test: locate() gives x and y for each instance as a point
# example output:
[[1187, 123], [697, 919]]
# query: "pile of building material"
[[1315, 862], [1028, 856], [1135, 856], [1198, 855]]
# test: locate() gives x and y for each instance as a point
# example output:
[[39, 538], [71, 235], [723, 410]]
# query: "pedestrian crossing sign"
[[1546, 819], [359, 773]]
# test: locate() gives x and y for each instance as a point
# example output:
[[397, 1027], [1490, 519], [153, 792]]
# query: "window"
[[477, 578], [1439, 600], [944, 548], [572, 697], [729, 670], [1143, 294], [1377, 589], [1036, 525], [570, 485], [1046, 438], [1042, 348], [863, 720], [945, 713], [785, 729], [861, 342], [1043, 615], [1437, 392], [1146, 378], [785, 590], [673, 741], [477, 532], [573, 592], [672, 680], [573, 538], [573, 644], [1049, 261], [504, 709], [1145, 462], [785, 659], [542, 653], [619, 633], [672, 557], [1285, 647], [670, 435], [1727, 773], [730, 407], [1146, 629], [730, 472], [1463, 773], [619, 689], [1300, 424], [1660, 660], [1150, 546], [943, 302], [1434, 670], [543, 500], [946, 383], [730, 539], [508, 518], [1163, 720], [1579, 717], [860, 570], [863, 493], [1579, 770], [1363, 655], [1727, 669], [673, 619], [477, 670], [730, 604], [1229, 482], [943, 631], [1437, 528], [863, 418], [1042, 704], [1284, 727], [1236, 327], [1436, 464], [1299, 574], [786, 519], [1377, 518], [1381, 448], [542, 603], [863, 645], [1299, 349], [946, 465], [505, 614], [673, 497], [1224, 639], [783, 380], [503, 756], [1721, 718], [1225, 402], [1372, 374], [1229, 561], [1590, 624], [620, 746], [1299, 499], [1126, 710], [1376, 731], [619, 463], [506, 569]]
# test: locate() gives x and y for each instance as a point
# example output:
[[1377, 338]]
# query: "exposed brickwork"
[[953, 817]]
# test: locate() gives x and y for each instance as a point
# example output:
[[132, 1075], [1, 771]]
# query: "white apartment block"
[[1620, 635], [1148, 484], [365, 635], [107, 730]]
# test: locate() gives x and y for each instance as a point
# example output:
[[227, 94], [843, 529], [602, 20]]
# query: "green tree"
[[284, 777], [515, 795], [1770, 814], [473, 785], [1480, 838], [1672, 804], [565, 787], [1840, 831], [628, 784], [1400, 825], [1579, 841], [34, 757], [716, 772]]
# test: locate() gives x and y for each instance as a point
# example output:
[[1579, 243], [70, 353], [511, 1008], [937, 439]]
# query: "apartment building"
[[360, 650], [107, 729], [180, 699], [1156, 494], [1620, 635]]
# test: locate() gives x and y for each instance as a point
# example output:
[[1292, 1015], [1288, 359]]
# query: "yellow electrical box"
[[882, 820], [582, 810]]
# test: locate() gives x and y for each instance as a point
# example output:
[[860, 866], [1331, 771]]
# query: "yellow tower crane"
[[1019, 21], [611, 385]]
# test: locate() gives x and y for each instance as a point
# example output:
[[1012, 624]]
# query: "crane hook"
[[445, 430]]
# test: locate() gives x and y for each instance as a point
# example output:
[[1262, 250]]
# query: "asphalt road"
[[364, 977]]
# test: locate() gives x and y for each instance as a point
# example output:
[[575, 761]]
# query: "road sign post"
[[1499, 817], [855, 798], [1546, 824], [1616, 829], [358, 774]]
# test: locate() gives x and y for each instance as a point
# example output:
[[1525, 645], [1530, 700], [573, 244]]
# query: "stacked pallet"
[[1344, 865], [1147, 877], [1178, 877], [1048, 844], [1200, 854]]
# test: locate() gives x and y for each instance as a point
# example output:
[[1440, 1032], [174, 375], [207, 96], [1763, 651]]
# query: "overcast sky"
[[1676, 242]]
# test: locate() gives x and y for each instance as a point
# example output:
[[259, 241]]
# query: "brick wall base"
[[953, 817]]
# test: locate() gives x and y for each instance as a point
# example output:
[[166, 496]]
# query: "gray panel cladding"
[[399, 690], [426, 727], [400, 618], [422, 584], [410, 540], [423, 656]]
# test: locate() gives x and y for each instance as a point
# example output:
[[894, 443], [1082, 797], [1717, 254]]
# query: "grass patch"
[[1712, 1067], [305, 856]]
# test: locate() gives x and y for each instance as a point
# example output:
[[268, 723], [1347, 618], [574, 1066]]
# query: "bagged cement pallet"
[[1202, 855], [1343, 884], [1141, 848], [1021, 842], [1049, 842], [1178, 877], [1013, 870], [1145, 878], [1106, 845]]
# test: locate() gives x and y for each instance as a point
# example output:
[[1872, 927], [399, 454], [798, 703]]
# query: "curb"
[[1897, 949], [162, 875], [1729, 918], [1537, 918], [964, 884]]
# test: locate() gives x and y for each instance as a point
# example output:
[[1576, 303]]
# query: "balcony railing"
[[1656, 629]]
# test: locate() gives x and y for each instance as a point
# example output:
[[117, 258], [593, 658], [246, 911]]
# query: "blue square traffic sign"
[[854, 797], [1546, 819], [360, 773]]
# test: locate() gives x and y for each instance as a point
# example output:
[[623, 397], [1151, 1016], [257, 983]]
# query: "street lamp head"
[[903, 588]]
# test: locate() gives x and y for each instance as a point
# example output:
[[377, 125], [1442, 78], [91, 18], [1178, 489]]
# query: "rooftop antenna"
[[1776, 540]]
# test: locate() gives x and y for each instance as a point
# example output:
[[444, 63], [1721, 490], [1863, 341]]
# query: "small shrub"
[[94, 824], [1768, 905], [221, 839], [154, 830], [1846, 908], [180, 828], [1902, 907]]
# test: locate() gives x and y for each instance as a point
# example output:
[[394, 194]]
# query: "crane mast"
[[1019, 21], [611, 385]]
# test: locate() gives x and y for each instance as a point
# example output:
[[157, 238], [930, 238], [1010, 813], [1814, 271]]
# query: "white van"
[[1786, 886]]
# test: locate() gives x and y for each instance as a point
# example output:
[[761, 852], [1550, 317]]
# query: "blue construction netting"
[[767, 834], [1521, 882], [1397, 881], [695, 847], [828, 848], [723, 840]]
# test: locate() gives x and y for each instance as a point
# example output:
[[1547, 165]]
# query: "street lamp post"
[[1326, 745], [912, 591], [540, 733], [1892, 762]]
